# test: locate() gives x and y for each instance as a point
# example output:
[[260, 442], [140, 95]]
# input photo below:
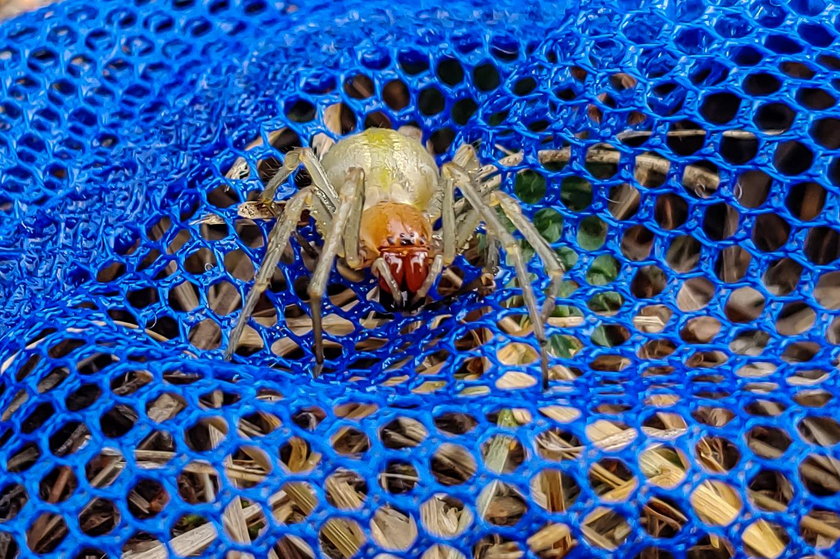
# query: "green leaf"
[[563, 346], [608, 302], [568, 257], [603, 270], [565, 311], [576, 193], [599, 337], [529, 186], [549, 223], [592, 233]]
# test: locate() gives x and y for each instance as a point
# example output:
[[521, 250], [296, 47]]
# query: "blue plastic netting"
[[681, 156]]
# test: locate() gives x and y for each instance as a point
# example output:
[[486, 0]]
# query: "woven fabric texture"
[[681, 157]]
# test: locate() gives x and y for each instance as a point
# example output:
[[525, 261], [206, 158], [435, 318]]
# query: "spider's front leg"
[[471, 191], [468, 218], [350, 204], [277, 240], [320, 198], [344, 232], [266, 208], [511, 208], [307, 158]]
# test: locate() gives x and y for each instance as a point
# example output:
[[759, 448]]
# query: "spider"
[[375, 196]]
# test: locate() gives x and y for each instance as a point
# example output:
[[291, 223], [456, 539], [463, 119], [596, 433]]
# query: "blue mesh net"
[[681, 157]]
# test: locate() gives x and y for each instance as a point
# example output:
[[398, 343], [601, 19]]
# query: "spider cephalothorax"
[[374, 197], [399, 234]]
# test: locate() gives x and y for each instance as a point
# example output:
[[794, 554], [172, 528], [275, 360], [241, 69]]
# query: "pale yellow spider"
[[374, 197]]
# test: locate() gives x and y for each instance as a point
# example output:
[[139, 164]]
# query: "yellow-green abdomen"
[[397, 168]]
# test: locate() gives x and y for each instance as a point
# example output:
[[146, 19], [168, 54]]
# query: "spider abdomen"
[[396, 168]]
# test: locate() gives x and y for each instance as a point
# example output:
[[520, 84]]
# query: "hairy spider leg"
[[448, 220], [277, 240], [513, 210], [352, 250], [471, 191], [347, 228], [295, 158], [350, 201]]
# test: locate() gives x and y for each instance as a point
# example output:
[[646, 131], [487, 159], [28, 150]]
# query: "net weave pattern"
[[681, 157]]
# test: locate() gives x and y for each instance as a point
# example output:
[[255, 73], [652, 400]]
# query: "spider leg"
[[452, 240], [491, 265], [488, 176], [258, 210], [470, 190], [513, 211], [458, 219], [466, 227], [307, 158], [448, 221], [318, 285], [326, 190], [384, 272], [352, 252], [290, 163], [467, 218], [277, 240], [466, 158], [434, 272], [412, 132]]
